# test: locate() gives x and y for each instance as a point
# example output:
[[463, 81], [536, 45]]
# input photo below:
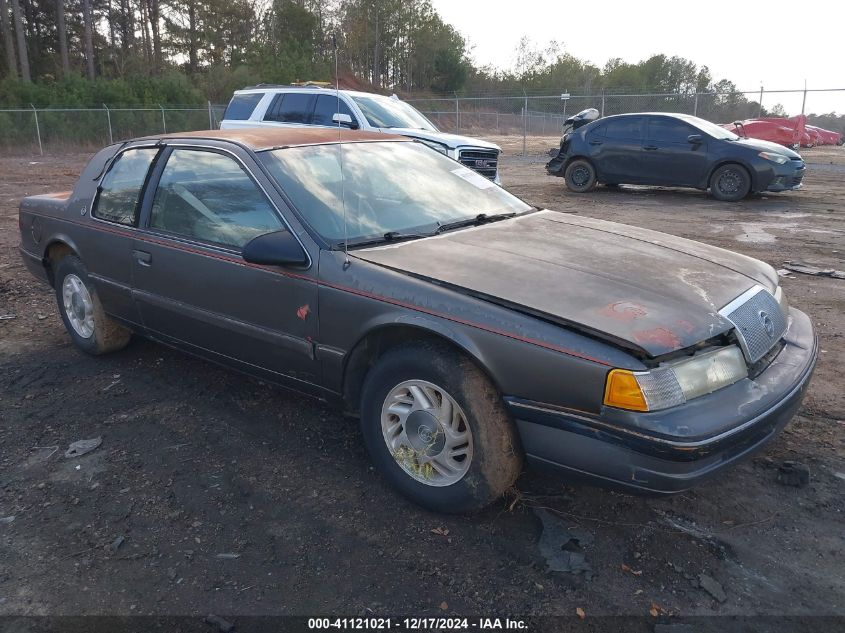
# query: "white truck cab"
[[291, 106]]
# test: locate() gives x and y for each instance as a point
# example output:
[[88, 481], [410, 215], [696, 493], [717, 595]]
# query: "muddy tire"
[[91, 329], [437, 429], [580, 176], [730, 183]]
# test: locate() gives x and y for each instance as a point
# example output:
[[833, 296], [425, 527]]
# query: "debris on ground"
[[117, 543], [7, 520], [228, 556], [563, 547], [83, 447], [794, 474], [224, 626], [809, 269], [712, 586], [7, 317]]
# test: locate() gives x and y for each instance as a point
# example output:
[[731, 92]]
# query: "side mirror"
[[279, 248], [345, 119], [695, 139]]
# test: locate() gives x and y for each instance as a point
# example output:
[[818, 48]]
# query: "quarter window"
[[241, 106], [208, 197], [120, 191]]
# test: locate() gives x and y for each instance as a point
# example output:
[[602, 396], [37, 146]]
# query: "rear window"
[[291, 107], [625, 127], [241, 106], [120, 191]]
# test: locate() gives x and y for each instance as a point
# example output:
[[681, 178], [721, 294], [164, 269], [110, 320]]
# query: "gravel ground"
[[213, 492]]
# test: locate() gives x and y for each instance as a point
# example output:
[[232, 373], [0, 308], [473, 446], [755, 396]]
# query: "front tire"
[[90, 328], [436, 428], [580, 176], [730, 183]]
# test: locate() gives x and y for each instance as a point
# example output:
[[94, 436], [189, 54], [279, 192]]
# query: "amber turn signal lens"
[[623, 391]]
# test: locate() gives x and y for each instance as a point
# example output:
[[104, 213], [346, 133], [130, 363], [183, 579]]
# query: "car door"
[[669, 156], [191, 284], [616, 155], [115, 213]]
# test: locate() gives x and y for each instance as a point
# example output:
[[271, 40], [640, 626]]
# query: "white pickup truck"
[[272, 105]]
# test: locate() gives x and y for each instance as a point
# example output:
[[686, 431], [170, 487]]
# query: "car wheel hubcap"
[[729, 182], [78, 306], [427, 433], [580, 176]]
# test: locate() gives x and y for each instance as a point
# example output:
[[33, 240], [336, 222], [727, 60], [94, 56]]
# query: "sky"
[[777, 44]]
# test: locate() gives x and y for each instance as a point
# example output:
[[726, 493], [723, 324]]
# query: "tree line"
[[86, 52]]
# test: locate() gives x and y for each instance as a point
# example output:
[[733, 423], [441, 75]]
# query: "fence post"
[[695, 105], [497, 122], [108, 116], [804, 101], [163, 120], [210, 117], [602, 102], [457, 114], [37, 130], [525, 124], [760, 109]]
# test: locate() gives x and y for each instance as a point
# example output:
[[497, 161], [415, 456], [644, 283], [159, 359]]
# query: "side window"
[[208, 197], [241, 106], [291, 107], [669, 130], [120, 191], [327, 106], [624, 128]]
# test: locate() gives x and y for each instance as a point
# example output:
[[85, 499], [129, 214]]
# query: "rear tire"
[[90, 328], [580, 176], [457, 455], [730, 183]]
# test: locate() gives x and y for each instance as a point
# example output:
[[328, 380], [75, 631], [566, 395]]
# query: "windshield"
[[387, 112], [390, 186], [712, 129]]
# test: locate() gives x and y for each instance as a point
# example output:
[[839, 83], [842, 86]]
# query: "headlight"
[[674, 383], [435, 146], [780, 159]]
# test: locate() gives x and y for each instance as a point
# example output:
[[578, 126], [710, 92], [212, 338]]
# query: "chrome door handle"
[[143, 258]]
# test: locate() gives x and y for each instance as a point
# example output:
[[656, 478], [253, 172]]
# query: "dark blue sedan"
[[674, 150]]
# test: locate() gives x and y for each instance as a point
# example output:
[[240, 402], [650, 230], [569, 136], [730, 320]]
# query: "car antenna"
[[346, 262]]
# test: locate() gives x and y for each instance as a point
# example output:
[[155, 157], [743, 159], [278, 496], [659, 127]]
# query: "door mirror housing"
[[345, 120], [695, 139], [279, 248]]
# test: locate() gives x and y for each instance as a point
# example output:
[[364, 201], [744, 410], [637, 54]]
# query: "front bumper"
[[787, 177], [673, 450]]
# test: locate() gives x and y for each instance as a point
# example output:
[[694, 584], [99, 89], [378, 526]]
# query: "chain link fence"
[[532, 116], [83, 129], [24, 130]]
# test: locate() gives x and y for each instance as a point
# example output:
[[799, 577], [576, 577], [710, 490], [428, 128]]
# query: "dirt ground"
[[213, 492]]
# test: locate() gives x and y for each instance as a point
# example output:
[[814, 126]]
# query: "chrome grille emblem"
[[768, 325]]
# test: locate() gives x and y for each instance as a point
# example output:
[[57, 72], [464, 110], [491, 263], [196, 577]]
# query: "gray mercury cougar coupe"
[[468, 330]]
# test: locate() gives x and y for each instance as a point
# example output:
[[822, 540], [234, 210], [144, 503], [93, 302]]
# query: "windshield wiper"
[[390, 236], [481, 218]]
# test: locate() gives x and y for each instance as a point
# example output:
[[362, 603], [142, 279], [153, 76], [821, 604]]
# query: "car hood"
[[453, 141], [647, 291], [768, 146]]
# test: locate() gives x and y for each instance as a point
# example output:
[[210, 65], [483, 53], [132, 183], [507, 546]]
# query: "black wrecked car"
[[673, 150], [466, 329]]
